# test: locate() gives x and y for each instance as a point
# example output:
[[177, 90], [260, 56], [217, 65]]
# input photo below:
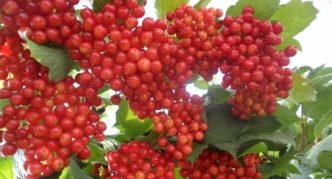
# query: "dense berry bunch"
[[117, 52], [139, 160], [222, 165], [44, 21], [149, 65], [48, 120], [252, 65], [197, 31]]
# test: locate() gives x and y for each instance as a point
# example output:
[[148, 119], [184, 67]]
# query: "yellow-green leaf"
[[263, 9], [164, 6]]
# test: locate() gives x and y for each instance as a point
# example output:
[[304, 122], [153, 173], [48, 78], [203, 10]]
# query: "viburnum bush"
[[64, 69]]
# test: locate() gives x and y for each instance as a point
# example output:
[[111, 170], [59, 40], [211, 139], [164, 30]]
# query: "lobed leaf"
[[56, 59], [324, 160], [201, 84], [218, 94], [97, 153], [130, 122], [263, 9], [295, 17], [314, 152], [201, 3], [164, 6], [198, 148], [301, 92], [322, 106], [226, 132], [320, 77], [73, 171]]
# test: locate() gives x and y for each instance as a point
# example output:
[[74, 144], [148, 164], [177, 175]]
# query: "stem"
[[303, 124], [302, 136], [266, 156]]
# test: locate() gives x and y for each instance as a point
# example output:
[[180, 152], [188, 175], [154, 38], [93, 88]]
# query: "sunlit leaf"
[[6, 167], [164, 6], [301, 92], [293, 19], [201, 3], [130, 122], [263, 9]]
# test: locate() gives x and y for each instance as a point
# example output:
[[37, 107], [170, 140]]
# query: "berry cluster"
[[149, 65], [44, 21], [48, 120], [221, 165], [197, 32], [139, 160], [252, 65], [141, 64]]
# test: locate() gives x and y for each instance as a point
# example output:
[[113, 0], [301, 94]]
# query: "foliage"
[[6, 167], [164, 6], [263, 9], [56, 59]]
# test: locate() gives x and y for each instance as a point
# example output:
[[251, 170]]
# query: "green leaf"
[[198, 148], [304, 169], [73, 171], [314, 152], [218, 94], [293, 19], [109, 143], [105, 93], [259, 147], [281, 166], [97, 153], [201, 84], [324, 160], [3, 103], [140, 2], [88, 169], [56, 59], [263, 9], [318, 109], [151, 138], [130, 122], [226, 132], [301, 92], [201, 3], [320, 77], [286, 116], [177, 174], [6, 167], [322, 124], [98, 5], [289, 41], [303, 69], [164, 6]]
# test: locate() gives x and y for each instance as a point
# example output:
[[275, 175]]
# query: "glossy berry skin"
[[214, 164], [139, 159]]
